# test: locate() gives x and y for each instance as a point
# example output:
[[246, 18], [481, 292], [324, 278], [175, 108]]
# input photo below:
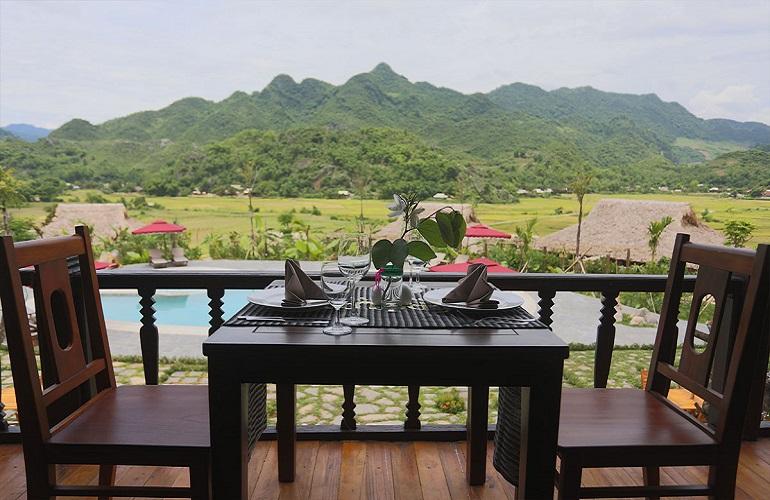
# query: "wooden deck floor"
[[377, 470]]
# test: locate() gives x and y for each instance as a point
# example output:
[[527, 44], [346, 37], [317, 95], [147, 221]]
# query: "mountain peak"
[[384, 69], [281, 81]]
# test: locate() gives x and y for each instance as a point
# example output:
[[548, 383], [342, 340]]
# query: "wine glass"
[[337, 289], [354, 259]]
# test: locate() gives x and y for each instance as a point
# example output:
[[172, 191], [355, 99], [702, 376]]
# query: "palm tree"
[[10, 195], [655, 230], [580, 187]]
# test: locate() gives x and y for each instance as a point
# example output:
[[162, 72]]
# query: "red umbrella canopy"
[[159, 226], [484, 231], [492, 266]]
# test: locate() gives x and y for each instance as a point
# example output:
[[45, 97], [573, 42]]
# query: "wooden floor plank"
[[352, 470], [303, 476], [432, 477], [267, 486], [374, 470], [378, 472], [326, 475], [406, 479]]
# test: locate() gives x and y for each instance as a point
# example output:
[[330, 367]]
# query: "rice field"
[[206, 214]]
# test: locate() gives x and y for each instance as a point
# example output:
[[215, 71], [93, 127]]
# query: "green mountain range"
[[296, 133]]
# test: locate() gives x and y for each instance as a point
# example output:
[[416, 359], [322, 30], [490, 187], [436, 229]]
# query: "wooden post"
[[348, 408], [605, 338], [148, 336], [215, 308], [545, 305], [413, 409]]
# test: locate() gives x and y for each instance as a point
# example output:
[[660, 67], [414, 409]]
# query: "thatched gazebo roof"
[[105, 219], [395, 228], [615, 227]]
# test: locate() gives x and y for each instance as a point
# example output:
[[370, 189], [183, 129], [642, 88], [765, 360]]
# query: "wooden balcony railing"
[[148, 281]]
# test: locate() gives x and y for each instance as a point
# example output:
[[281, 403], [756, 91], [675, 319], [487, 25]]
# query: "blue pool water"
[[179, 307]]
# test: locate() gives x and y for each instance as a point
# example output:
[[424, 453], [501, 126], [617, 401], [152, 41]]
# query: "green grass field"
[[204, 215]]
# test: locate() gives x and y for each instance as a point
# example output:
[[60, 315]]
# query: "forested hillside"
[[314, 138]]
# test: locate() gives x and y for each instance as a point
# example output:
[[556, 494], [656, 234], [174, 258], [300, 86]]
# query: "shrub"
[[450, 402]]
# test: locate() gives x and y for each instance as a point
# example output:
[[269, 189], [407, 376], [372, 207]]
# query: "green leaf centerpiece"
[[443, 228]]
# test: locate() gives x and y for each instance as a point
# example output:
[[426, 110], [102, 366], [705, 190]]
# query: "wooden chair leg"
[[722, 480], [39, 480], [651, 478], [569, 479], [106, 477], [200, 481]]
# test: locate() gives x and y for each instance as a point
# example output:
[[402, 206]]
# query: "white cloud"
[[732, 100], [98, 60]]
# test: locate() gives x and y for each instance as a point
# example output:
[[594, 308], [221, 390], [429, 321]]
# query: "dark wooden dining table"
[[477, 358]]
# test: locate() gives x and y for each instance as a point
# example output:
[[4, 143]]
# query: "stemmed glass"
[[337, 289], [354, 259]]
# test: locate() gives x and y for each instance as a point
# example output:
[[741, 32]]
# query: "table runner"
[[417, 315]]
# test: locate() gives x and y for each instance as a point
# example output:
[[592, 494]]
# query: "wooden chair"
[[683, 398], [642, 428], [76, 414]]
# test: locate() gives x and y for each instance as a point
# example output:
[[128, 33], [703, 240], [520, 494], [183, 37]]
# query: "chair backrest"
[[737, 281], [155, 254], [64, 320]]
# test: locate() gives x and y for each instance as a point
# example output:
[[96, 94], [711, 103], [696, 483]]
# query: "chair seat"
[[610, 418], [174, 416]]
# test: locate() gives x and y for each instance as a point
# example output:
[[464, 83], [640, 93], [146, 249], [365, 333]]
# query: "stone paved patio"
[[374, 404]]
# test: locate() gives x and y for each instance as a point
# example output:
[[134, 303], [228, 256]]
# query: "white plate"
[[273, 297], [506, 300]]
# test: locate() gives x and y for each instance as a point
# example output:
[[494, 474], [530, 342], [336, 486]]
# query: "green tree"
[[654, 231], [580, 186], [11, 190], [525, 235], [738, 233]]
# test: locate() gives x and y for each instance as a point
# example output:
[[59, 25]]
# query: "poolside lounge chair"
[[177, 257], [156, 259]]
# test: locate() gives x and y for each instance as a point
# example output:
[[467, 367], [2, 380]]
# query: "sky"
[[102, 59]]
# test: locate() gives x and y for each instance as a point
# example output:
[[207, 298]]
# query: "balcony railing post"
[[148, 335], [545, 305], [3, 422], [348, 408], [413, 409], [605, 338], [215, 308]]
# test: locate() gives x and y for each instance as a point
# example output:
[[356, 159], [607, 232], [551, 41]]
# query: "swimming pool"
[[173, 307]]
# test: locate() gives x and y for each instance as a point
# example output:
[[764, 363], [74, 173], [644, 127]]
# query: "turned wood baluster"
[[348, 408], [3, 422], [545, 305], [413, 409], [605, 338], [215, 308], [148, 336]]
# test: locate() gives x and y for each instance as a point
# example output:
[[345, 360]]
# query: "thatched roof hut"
[[617, 227], [395, 228], [104, 218]]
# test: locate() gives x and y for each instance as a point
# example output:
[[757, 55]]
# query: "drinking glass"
[[416, 266], [337, 289], [354, 259]]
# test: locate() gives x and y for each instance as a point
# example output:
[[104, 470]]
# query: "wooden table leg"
[[540, 405], [286, 427], [476, 453], [228, 399]]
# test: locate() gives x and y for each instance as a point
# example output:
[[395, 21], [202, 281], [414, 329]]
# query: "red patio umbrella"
[[492, 266], [159, 226], [484, 231]]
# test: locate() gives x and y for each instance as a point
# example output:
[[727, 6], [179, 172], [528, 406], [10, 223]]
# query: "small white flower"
[[398, 206]]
